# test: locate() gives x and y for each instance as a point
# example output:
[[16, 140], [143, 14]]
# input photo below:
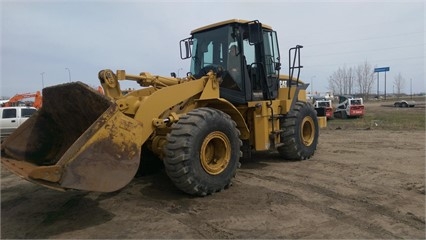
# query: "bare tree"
[[399, 83], [364, 79], [341, 81], [335, 83], [350, 76], [352, 80]]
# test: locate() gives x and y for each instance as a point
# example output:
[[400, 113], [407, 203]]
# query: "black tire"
[[200, 137], [300, 133], [336, 115], [405, 105]]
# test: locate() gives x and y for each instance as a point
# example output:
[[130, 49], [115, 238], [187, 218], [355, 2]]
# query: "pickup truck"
[[404, 103], [12, 117]]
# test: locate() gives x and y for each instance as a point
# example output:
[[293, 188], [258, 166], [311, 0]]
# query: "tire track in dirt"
[[166, 200], [356, 175], [349, 190], [201, 226], [351, 177], [363, 207], [325, 179]]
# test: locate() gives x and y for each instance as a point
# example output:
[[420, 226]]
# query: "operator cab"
[[244, 53]]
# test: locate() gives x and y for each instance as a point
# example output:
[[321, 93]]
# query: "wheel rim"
[[215, 153], [308, 131]]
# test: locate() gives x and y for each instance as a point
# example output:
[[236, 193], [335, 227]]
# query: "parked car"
[[404, 103], [12, 117]]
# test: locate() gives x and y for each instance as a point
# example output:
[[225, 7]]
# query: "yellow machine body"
[[81, 139]]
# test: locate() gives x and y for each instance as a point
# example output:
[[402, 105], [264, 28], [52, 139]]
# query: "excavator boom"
[[18, 97]]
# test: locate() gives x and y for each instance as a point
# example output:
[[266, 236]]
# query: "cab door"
[[272, 63], [263, 65], [8, 121]]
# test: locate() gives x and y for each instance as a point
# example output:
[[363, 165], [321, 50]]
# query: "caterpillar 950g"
[[200, 126]]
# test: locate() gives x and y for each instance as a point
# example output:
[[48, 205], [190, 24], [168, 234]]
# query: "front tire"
[[202, 151], [300, 132]]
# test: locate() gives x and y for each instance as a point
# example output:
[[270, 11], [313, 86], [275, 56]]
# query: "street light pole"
[[312, 85], [69, 74], [179, 71], [42, 80]]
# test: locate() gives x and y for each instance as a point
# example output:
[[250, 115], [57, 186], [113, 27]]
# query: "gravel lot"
[[360, 184]]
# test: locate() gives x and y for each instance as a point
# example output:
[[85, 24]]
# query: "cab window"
[[27, 112], [9, 113]]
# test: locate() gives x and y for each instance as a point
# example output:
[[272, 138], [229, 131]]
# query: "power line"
[[369, 50], [363, 39], [343, 29], [377, 60]]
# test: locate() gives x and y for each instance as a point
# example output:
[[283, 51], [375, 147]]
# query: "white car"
[[404, 103], [12, 117]]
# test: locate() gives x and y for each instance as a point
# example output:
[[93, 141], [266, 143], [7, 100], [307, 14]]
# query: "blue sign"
[[382, 69]]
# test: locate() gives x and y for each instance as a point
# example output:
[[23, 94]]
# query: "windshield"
[[209, 48], [324, 104], [218, 49], [356, 102]]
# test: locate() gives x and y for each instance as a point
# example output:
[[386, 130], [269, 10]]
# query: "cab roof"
[[218, 24]]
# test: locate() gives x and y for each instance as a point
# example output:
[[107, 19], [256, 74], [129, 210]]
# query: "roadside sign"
[[378, 70], [382, 69]]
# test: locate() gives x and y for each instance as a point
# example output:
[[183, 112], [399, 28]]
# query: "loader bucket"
[[77, 140]]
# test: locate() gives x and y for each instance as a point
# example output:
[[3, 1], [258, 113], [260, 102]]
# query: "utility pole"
[[69, 74], [385, 85], [179, 71], [42, 80], [378, 94]]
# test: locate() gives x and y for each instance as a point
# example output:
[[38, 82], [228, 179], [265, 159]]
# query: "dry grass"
[[382, 115]]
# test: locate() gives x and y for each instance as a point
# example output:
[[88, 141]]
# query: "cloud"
[[87, 36]]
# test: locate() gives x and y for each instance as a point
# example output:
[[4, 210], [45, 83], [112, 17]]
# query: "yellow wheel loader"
[[200, 126]]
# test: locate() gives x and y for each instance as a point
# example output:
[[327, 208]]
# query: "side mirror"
[[277, 66], [255, 32], [185, 48]]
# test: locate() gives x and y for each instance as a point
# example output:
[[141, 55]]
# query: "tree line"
[[359, 80]]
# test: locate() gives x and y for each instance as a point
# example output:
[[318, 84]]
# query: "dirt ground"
[[361, 184]]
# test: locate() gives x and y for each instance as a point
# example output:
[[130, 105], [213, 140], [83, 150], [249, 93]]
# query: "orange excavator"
[[14, 101]]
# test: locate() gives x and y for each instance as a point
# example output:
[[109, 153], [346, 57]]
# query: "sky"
[[44, 43]]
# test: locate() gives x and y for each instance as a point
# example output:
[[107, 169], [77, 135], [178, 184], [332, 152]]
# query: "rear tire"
[[202, 151], [300, 132]]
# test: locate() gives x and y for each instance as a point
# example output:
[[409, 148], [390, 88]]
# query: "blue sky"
[[143, 36]]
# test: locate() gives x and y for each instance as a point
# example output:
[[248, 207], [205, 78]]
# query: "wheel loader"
[[200, 126]]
